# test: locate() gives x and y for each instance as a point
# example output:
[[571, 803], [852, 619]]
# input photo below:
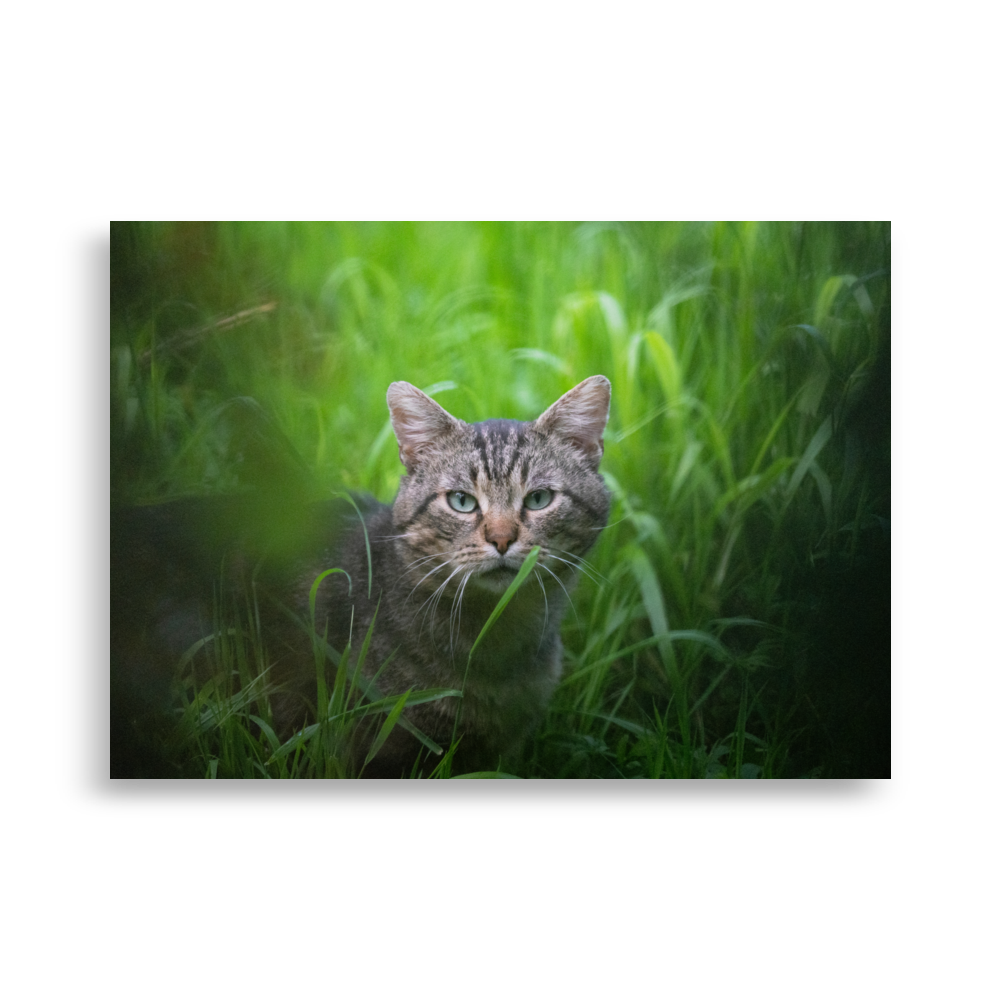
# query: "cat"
[[429, 570]]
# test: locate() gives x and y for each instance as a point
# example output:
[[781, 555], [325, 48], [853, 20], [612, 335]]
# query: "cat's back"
[[351, 565], [171, 563]]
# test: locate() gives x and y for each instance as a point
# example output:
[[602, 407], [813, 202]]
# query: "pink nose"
[[501, 535]]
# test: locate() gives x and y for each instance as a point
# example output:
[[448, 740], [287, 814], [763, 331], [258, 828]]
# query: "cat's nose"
[[501, 534]]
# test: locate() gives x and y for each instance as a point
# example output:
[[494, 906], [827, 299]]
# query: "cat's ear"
[[581, 416], [417, 421]]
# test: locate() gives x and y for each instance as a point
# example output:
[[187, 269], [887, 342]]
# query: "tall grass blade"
[[652, 598], [268, 732], [815, 446], [315, 587], [387, 726], [665, 365], [364, 528], [512, 588], [773, 433]]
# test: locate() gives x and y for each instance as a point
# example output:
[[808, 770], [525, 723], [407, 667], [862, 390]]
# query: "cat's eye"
[[537, 499], [465, 503]]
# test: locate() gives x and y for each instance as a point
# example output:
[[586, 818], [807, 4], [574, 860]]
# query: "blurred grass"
[[737, 620]]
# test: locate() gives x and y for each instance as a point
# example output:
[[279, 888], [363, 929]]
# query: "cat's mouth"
[[503, 569], [498, 571], [495, 577]]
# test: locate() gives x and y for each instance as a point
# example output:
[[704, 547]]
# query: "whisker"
[[447, 562], [578, 566], [436, 603], [424, 559], [436, 599], [565, 591], [433, 555], [431, 610], [577, 557], [545, 598], [455, 625], [437, 555], [611, 525]]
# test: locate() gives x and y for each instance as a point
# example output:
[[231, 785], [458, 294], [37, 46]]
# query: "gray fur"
[[437, 573]]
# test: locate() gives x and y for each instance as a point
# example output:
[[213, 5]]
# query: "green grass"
[[735, 623]]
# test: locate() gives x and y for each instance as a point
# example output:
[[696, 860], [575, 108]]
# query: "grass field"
[[736, 622]]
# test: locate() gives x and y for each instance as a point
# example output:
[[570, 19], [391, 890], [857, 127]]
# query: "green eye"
[[537, 499], [462, 502]]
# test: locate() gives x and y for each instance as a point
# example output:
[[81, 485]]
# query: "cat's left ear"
[[580, 416], [418, 422]]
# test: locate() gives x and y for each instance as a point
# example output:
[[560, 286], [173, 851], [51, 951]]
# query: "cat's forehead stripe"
[[517, 440], [480, 442], [499, 443]]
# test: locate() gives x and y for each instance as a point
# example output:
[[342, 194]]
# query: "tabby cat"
[[475, 500]]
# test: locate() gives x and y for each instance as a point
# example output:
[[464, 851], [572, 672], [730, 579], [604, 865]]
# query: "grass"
[[736, 619]]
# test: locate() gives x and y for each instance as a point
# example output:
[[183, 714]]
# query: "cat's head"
[[482, 495]]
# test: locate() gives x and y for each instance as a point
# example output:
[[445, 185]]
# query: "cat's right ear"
[[417, 421]]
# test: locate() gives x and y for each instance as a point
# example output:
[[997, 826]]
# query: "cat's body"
[[427, 644], [475, 501]]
